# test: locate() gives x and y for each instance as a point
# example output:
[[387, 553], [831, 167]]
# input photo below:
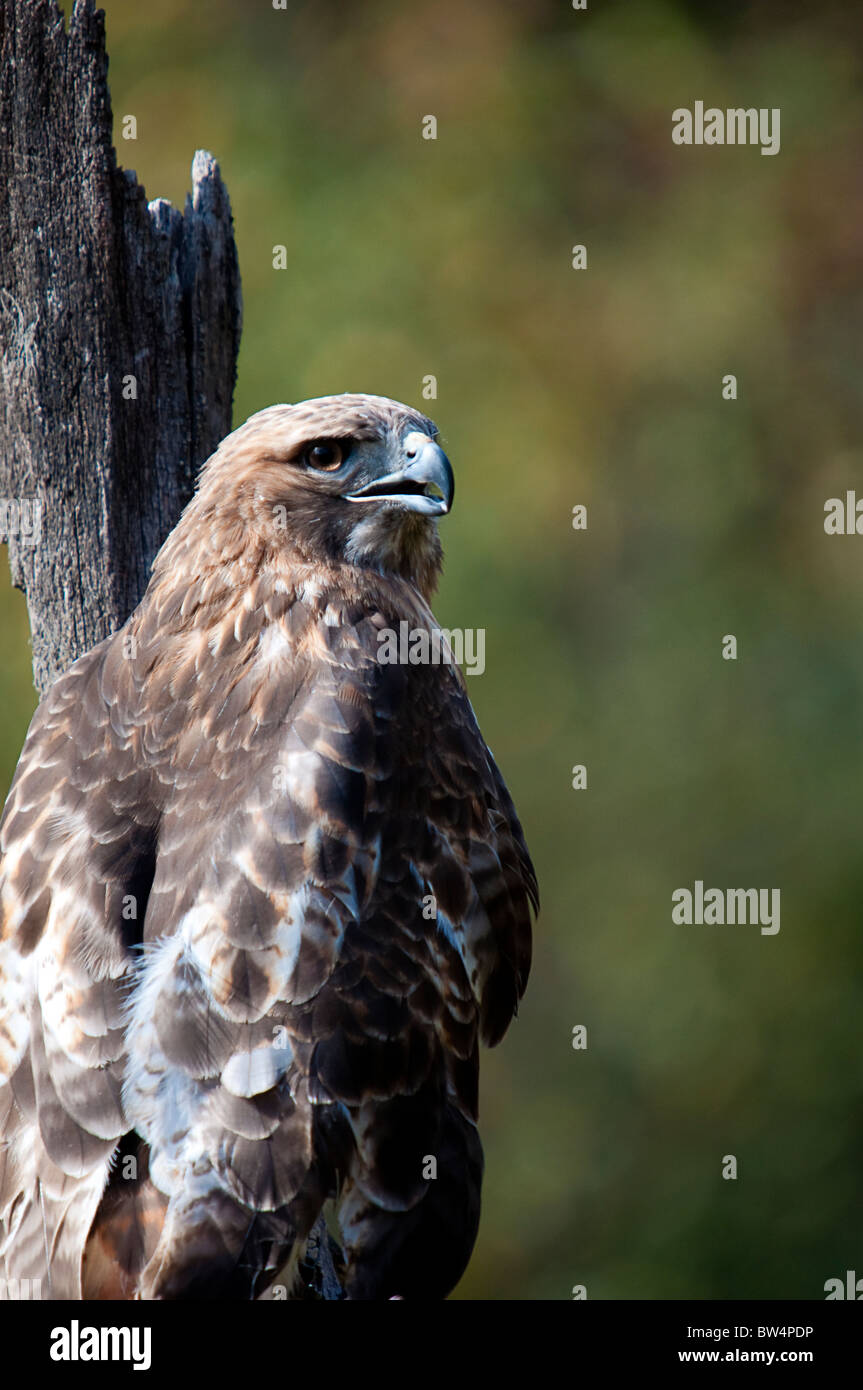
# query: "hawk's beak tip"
[[428, 466]]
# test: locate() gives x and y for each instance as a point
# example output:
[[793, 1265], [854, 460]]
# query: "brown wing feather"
[[318, 1029], [75, 839]]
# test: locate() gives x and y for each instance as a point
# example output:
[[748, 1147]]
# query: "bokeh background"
[[705, 517]]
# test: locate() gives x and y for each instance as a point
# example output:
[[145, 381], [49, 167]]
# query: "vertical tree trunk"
[[119, 333]]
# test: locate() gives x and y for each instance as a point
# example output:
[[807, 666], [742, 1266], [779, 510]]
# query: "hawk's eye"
[[326, 455]]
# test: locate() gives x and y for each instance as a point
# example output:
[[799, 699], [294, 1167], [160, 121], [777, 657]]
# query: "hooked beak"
[[427, 467]]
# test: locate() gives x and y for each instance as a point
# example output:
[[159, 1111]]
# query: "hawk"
[[262, 895]]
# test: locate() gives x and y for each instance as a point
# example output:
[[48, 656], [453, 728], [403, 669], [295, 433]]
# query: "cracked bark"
[[98, 288]]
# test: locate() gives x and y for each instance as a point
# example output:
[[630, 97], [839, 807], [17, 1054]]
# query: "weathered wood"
[[119, 333]]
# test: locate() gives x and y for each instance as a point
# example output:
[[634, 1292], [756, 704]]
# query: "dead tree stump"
[[119, 333]]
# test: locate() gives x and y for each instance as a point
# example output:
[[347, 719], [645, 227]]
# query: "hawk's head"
[[352, 478]]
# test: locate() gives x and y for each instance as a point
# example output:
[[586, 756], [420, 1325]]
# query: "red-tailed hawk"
[[262, 896]]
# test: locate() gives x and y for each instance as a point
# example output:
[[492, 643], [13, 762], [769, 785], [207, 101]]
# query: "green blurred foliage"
[[603, 386]]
